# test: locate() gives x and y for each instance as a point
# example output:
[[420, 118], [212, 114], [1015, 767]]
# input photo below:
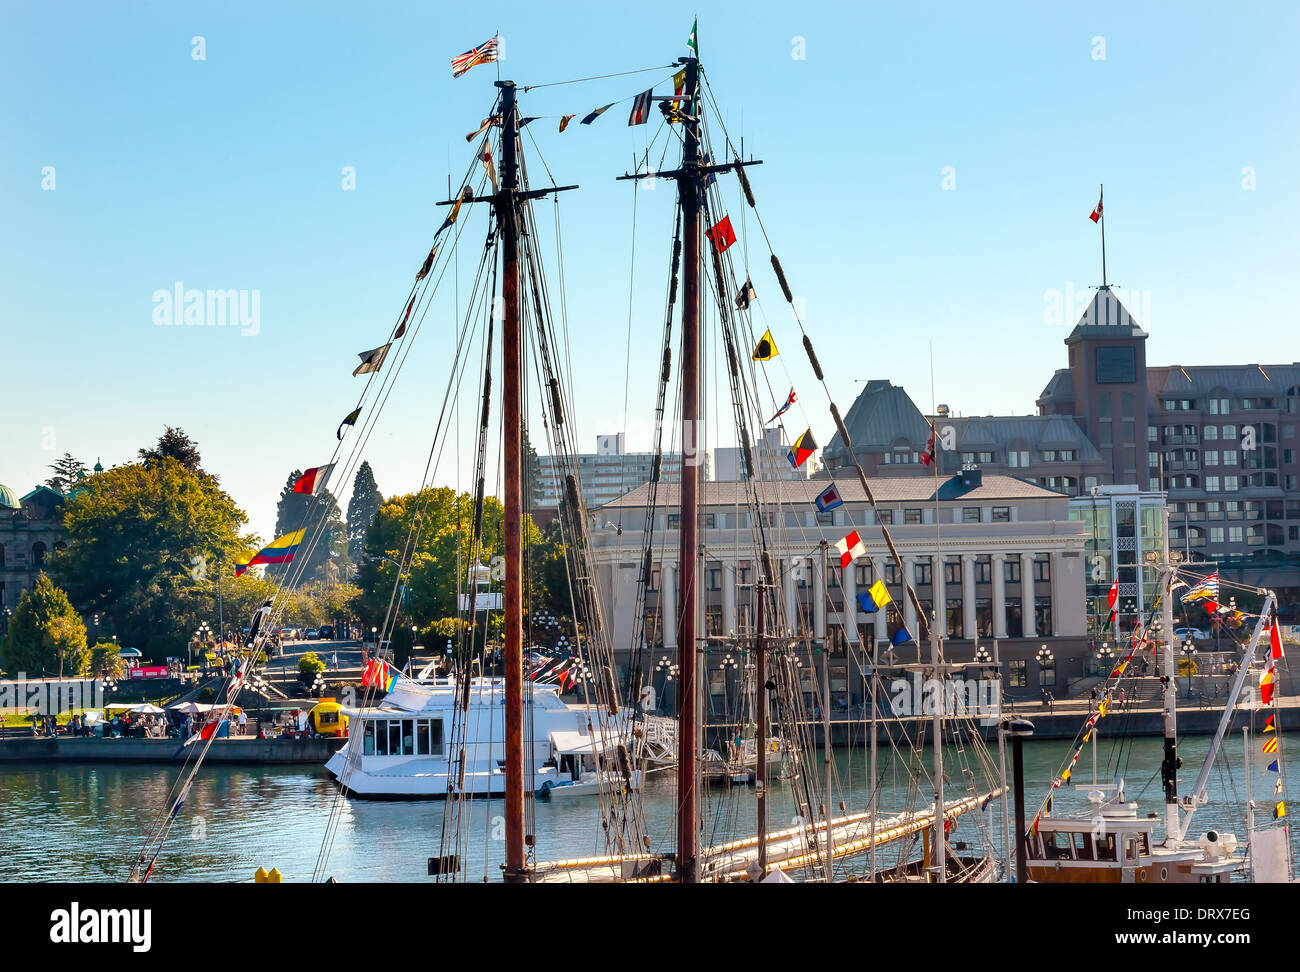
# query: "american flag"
[[483, 54]]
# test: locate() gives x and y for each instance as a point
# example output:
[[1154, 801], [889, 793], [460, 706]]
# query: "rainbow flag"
[[279, 551]]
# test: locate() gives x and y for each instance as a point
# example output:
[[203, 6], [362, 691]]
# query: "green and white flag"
[[691, 42]]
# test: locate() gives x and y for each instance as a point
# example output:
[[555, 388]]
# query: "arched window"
[[38, 555]]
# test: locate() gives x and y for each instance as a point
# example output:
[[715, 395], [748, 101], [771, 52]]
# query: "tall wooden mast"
[[508, 202], [690, 189], [512, 486], [691, 180]]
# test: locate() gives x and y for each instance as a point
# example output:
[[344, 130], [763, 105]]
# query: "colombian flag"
[[280, 551]]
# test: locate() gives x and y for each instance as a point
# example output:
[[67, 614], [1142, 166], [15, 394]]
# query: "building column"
[[999, 595], [881, 616], [728, 597], [968, 596], [909, 609], [849, 587], [819, 593], [668, 603], [1054, 559], [1030, 630], [791, 598], [937, 579]]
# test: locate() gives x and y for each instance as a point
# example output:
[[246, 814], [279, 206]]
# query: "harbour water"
[[86, 822]]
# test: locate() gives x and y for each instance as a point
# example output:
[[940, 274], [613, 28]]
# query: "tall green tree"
[[46, 635], [146, 545], [174, 444], [323, 553], [440, 523], [67, 472], [532, 474], [362, 507]]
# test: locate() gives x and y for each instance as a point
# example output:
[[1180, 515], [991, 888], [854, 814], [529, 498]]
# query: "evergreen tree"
[[46, 635], [67, 471], [323, 560], [174, 444], [362, 508]]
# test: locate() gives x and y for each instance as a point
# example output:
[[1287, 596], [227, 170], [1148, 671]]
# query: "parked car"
[[309, 634], [327, 632], [1198, 634]]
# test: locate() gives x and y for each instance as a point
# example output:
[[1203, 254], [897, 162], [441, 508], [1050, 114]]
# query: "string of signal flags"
[[489, 52]]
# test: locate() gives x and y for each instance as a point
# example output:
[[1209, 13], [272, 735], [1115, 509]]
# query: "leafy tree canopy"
[[441, 557], [148, 545]]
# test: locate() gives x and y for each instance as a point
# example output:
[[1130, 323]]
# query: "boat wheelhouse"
[[398, 749]]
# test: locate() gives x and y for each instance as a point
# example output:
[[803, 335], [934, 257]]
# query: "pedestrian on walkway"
[[334, 660], [243, 722]]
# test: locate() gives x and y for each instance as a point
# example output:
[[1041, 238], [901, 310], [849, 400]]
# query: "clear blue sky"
[[225, 173]]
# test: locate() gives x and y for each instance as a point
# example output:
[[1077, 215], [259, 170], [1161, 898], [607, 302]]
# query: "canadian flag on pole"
[[1096, 213], [850, 548]]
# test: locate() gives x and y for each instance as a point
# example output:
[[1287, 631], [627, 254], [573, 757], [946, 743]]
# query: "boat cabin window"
[[403, 737], [1106, 847], [1083, 847], [1057, 846]]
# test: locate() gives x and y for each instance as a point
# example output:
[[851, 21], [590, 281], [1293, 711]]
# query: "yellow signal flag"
[[765, 350], [1279, 811]]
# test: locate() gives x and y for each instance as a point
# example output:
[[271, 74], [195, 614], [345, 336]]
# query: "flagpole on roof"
[[1101, 208]]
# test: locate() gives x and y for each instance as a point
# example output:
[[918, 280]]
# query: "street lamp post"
[[1105, 655], [1189, 653], [1045, 657]]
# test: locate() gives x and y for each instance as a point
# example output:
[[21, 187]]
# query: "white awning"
[[568, 741], [192, 707]]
